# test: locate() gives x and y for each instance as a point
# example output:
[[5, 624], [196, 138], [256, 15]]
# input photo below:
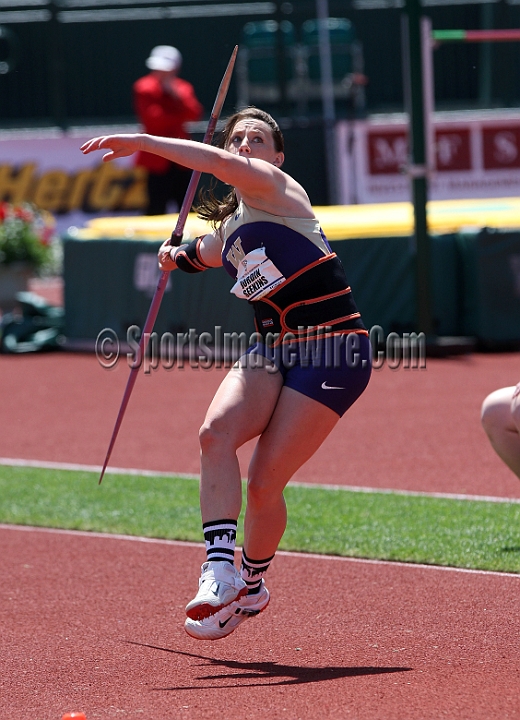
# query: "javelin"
[[175, 239]]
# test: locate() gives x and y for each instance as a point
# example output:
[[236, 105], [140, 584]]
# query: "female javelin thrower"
[[268, 239]]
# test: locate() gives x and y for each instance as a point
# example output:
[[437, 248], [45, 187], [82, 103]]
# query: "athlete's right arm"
[[260, 183], [200, 254]]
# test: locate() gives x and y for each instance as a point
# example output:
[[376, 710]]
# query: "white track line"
[[286, 553], [45, 465], [17, 462]]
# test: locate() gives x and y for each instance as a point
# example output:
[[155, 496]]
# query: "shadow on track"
[[270, 672]]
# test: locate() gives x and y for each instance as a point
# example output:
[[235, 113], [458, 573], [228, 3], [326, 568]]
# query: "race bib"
[[257, 275]]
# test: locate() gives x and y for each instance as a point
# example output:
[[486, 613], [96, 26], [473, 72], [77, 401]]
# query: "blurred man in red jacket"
[[163, 103]]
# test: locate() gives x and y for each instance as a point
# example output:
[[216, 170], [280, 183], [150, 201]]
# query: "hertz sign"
[[104, 188], [52, 173]]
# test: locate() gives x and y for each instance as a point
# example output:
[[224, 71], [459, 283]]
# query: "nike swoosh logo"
[[223, 624], [215, 592], [324, 386]]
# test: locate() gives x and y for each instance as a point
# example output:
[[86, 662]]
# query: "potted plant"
[[27, 248]]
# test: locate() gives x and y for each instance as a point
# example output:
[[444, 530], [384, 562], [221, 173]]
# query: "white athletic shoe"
[[229, 618], [220, 584]]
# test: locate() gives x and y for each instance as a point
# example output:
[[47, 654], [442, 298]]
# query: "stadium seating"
[[260, 71]]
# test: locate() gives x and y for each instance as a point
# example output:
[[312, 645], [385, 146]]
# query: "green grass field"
[[389, 526]]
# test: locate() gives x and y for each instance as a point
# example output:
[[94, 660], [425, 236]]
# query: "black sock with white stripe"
[[220, 537], [252, 572]]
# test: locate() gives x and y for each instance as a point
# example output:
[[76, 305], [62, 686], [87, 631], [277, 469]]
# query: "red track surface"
[[95, 624]]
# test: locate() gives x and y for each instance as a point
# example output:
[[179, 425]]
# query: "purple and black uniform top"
[[285, 267]]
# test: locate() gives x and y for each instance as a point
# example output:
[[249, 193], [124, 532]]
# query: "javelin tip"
[[103, 469]]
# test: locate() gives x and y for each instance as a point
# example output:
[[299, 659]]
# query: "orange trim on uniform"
[[330, 323], [304, 303], [318, 336], [300, 272]]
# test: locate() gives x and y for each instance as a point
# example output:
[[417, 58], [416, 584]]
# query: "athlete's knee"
[[213, 434], [261, 490], [495, 413], [256, 491], [515, 411]]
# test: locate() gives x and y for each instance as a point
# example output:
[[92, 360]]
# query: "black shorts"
[[333, 370]]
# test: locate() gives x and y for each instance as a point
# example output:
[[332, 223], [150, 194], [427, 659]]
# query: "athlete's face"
[[253, 138]]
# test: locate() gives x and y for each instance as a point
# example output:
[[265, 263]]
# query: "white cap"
[[164, 57]]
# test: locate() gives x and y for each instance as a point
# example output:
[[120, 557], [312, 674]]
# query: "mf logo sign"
[[387, 152], [453, 150]]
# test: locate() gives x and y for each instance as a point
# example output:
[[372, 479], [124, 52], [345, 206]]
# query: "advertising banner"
[[49, 169], [475, 156]]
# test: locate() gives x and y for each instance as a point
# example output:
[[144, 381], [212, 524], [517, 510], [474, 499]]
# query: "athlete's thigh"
[[297, 428], [245, 401]]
